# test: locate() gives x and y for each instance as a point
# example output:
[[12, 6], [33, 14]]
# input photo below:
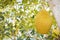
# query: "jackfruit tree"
[[25, 20]]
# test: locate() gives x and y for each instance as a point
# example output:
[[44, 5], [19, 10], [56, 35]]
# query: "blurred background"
[[17, 20]]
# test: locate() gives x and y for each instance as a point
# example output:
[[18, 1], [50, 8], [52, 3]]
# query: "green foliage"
[[4, 3], [17, 19]]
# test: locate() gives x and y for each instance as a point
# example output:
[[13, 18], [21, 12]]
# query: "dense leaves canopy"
[[17, 19]]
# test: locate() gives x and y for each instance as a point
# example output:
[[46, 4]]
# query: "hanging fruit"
[[43, 21]]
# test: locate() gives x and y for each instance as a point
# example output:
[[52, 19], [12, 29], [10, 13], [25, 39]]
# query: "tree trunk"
[[55, 7]]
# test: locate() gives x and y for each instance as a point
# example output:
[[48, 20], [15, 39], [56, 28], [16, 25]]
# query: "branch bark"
[[55, 7]]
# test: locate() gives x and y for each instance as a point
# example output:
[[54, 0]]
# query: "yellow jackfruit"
[[43, 21]]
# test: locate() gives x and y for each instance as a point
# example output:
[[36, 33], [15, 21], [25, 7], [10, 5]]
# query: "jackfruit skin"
[[43, 21]]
